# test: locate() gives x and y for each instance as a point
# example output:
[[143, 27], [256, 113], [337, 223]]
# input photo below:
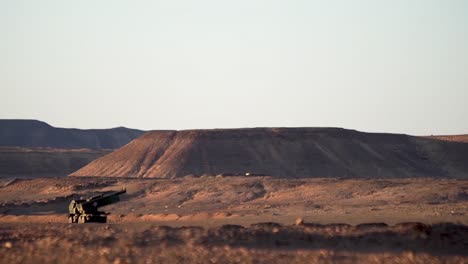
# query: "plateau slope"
[[282, 152]]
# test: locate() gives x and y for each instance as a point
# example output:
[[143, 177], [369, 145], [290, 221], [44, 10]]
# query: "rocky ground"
[[215, 220], [258, 243], [214, 201]]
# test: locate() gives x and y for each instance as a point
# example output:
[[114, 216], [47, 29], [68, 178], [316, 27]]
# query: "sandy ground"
[[150, 224]]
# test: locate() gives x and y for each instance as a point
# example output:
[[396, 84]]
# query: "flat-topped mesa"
[[282, 152]]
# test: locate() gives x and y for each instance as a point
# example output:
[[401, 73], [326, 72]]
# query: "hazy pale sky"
[[387, 66]]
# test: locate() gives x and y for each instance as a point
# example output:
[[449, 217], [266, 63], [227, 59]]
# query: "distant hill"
[[33, 133], [452, 138], [282, 152], [44, 162]]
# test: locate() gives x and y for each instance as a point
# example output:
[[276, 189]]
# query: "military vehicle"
[[86, 210]]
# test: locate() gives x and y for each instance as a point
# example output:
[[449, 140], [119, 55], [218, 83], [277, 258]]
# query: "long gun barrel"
[[86, 210]]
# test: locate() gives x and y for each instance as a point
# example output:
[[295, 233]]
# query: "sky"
[[396, 66]]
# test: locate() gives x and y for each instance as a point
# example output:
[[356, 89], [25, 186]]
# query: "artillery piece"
[[86, 210]]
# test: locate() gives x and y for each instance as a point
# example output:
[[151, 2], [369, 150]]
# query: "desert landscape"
[[213, 219], [301, 195], [233, 132]]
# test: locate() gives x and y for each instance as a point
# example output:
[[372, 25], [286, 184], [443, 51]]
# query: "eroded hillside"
[[282, 152]]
